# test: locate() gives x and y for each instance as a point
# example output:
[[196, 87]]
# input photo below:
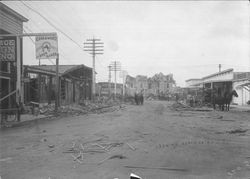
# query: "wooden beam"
[[13, 92]]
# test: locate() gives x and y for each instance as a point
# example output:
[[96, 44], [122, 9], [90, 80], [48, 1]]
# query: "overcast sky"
[[186, 38]]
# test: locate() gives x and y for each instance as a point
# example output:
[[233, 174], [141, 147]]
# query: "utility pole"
[[109, 80], [219, 67], [39, 84], [57, 101], [94, 47], [115, 66]]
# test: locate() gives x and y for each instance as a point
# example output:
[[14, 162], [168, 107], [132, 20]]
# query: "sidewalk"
[[25, 118]]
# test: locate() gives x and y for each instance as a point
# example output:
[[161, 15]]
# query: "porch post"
[[50, 90]]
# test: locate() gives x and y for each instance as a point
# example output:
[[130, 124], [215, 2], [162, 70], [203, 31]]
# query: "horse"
[[223, 100], [220, 100], [228, 96], [136, 99], [139, 99]]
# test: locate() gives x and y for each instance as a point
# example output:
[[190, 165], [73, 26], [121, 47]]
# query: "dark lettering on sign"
[[38, 38], [8, 49]]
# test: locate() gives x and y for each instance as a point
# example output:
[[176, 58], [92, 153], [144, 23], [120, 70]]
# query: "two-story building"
[[11, 22]]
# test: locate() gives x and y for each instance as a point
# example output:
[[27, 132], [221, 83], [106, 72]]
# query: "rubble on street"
[[179, 106], [86, 107]]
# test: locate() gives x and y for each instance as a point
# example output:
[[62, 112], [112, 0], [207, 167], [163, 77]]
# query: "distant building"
[[141, 83], [104, 90], [161, 84], [130, 85], [158, 84]]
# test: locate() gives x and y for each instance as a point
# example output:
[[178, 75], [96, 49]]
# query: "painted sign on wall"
[[8, 49], [46, 47]]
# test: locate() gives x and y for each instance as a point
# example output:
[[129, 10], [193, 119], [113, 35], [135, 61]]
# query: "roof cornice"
[[7, 9]]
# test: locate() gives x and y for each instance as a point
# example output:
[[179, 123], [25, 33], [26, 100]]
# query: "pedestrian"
[[176, 97], [136, 98], [141, 99]]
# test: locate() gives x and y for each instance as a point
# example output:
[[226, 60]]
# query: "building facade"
[[193, 83], [10, 55], [159, 84], [225, 81], [141, 83], [130, 85], [241, 84]]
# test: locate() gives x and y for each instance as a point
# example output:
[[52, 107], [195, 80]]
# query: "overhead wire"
[[78, 17], [50, 23]]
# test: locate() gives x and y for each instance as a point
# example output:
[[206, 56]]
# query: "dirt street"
[[154, 141]]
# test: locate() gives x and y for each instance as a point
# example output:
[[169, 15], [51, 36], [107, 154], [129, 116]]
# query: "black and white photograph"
[[123, 89]]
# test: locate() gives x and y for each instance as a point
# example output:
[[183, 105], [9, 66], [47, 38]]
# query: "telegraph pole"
[[123, 74], [115, 66], [94, 47], [109, 80]]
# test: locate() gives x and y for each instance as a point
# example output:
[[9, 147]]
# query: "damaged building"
[[157, 85], [40, 83]]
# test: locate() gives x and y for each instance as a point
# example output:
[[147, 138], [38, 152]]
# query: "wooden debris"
[[118, 157], [103, 161], [51, 146], [227, 120], [5, 159], [89, 147], [73, 145], [112, 157], [158, 168], [82, 146], [130, 146], [76, 158], [99, 145], [237, 131]]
